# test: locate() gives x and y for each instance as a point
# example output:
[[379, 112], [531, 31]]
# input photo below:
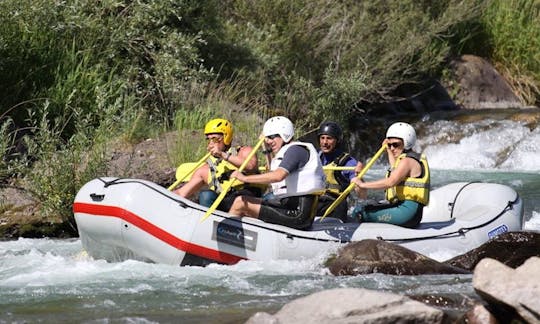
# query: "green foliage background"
[[76, 74]]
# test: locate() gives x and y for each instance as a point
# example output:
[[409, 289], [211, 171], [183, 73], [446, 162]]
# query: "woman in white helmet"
[[296, 178], [407, 183]]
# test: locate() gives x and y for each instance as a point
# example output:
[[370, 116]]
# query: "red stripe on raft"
[[155, 231]]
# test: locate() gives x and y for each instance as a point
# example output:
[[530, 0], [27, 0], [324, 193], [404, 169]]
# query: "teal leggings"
[[406, 213]]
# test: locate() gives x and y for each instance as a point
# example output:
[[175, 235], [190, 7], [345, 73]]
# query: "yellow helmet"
[[222, 126]]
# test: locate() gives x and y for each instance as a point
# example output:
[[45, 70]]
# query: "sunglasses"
[[214, 139], [272, 136], [394, 145]]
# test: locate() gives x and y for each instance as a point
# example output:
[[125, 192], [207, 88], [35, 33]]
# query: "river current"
[[53, 281]]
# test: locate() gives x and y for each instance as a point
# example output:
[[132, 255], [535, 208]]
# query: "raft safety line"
[[184, 205], [459, 232]]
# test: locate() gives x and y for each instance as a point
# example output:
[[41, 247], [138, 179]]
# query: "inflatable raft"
[[120, 219]]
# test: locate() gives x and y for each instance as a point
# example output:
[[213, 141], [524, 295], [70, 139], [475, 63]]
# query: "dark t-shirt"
[[295, 158]]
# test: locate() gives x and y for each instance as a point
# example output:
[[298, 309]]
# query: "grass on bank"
[[513, 27]]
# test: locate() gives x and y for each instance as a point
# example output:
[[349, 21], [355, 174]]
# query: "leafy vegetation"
[[513, 28], [76, 74]]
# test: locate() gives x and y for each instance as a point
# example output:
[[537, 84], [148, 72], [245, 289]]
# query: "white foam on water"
[[485, 144], [533, 224]]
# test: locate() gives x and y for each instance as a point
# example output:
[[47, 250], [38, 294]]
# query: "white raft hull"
[[121, 219]]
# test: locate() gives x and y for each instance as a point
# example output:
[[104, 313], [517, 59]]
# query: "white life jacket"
[[309, 179]]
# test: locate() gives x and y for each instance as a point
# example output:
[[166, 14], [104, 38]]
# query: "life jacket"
[[415, 189], [309, 179], [336, 182], [221, 170]]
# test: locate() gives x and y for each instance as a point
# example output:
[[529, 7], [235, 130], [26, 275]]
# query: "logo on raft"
[[234, 235], [497, 231]]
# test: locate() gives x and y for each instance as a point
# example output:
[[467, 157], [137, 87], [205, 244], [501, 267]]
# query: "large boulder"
[[511, 294], [351, 305], [377, 256], [476, 84], [511, 249]]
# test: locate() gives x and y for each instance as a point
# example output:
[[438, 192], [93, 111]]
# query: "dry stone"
[[480, 86], [505, 288], [351, 305]]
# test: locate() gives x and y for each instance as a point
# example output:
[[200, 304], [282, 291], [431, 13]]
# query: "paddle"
[[228, 185], [338, 168], [184, 170], [325, 167], [181, 173], [346, 192]]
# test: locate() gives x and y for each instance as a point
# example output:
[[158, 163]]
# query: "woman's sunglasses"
[[394, 145], [272, 136]]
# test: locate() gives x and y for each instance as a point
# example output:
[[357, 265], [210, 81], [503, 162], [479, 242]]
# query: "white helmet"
[[279, 125], [405, 132]]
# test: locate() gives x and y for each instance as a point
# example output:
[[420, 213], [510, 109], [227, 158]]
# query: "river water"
[[53, 281]]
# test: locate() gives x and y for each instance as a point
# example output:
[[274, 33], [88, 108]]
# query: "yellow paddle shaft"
[[195, 167], [228, 185], [350, 187]]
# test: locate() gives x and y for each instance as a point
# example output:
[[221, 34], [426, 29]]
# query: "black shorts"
[[296, 212], [340, 211]]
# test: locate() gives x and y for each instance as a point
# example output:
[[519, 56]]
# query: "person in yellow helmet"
[[224, 159], [407, 183]]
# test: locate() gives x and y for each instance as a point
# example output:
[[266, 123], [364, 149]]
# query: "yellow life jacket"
[[221, 170], [336, 183], [416, 189]]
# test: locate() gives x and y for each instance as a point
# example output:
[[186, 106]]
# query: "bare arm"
[[197, 181], [402, 171], [237, 160], [268, 177]]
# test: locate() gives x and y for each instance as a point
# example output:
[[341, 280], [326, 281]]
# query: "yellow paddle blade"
[[185, 170], [350, 187], [226, 187]]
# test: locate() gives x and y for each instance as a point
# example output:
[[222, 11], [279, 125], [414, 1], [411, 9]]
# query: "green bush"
[[321, 57], [513, 33]]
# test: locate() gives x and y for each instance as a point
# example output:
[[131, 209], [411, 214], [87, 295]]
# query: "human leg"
[[339, 212], [246, 206], [229, 198], [295, 212], [407, 213], [207, 197]]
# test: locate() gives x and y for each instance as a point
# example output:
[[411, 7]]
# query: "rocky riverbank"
[[19, 210], [508, 296], [505, 272]]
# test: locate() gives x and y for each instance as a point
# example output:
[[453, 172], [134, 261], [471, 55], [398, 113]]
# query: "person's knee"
[[238, 205], [207, 198]]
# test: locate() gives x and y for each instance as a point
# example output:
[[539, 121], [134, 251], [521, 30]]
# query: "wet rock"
[[453, 305], [351, 305], [510, 292], [511, 249], [376, 256], [479, 315]]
